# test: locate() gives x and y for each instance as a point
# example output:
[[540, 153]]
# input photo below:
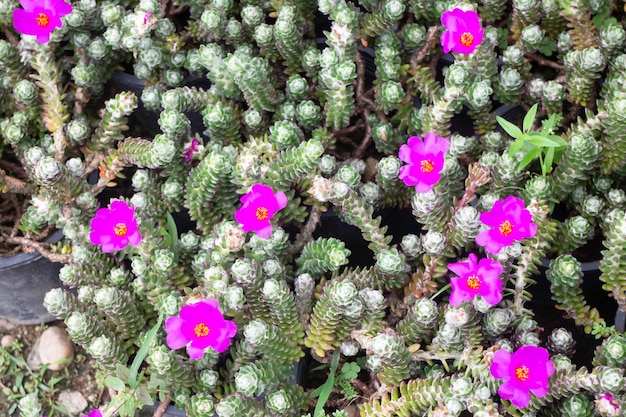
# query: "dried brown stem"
[[163, 406], [350, 129], [367, 137], [361, 97], [10, 36], [420, 56], [41, 247], [13, 185], [543, 61], [306, 235]]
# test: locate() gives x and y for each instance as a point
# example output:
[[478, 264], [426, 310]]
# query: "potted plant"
[[441, 320]]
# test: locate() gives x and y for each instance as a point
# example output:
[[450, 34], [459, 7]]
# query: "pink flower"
[[525, 371], [40, 17], [199, 326], [463, 32], [190, 149], [425, 161], [114, 228], [259, 205], [476, 278], [94, 413], [606, 406], [510, 222]]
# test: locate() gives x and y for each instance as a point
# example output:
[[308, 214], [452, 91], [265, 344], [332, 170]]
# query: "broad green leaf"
[[144, 396], [516, 146], [528, 158], [510, 128], [542, 141], [114, 383], [558, 139], [122, 371], [547, 161], [529, 119], [143, 351]]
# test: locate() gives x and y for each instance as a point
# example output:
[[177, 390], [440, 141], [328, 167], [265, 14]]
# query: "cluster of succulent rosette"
[[214, 238]]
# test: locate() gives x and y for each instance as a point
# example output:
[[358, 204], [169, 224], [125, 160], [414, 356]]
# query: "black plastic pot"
[[25, 278], [620, 320], [591, 288], [399, 222], [149, 119]]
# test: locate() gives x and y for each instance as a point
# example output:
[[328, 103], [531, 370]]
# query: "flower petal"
[[500, 363], [518, 397], [175, 338], [194, 352]]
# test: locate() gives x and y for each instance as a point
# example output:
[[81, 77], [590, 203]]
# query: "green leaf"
[[529, 119], [548, 124], [528, 158], [327, 388], [542, 141], [350, 370], [122, 371], [143, 351], [144, 396], [516, 146], [558, 139], [547, 162], [114, 383], [510, 128]]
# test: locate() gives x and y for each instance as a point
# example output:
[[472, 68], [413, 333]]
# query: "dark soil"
[[79, 376]]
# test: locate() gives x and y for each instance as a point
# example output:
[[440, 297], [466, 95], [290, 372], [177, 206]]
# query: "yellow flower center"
[[473, 281], [260, 213], [201, 330], [522, 373], [467, 39], [42, 19], [120, 229], [427, 166], [505, 228]]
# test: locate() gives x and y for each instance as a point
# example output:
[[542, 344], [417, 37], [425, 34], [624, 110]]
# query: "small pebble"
[[7, 340], [73, 401]]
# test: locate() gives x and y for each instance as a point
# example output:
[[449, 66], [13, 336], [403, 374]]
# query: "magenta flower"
[[510, 222], [606, 406], [94, 413], [476, 278], [114, 228], [199, 326], [463, 32], [259, 205], [40, 17], [525, 371], [190, 149], [425, 161]]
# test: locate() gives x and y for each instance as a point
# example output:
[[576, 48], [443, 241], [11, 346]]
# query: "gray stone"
[[52, 347], [72, 401]]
